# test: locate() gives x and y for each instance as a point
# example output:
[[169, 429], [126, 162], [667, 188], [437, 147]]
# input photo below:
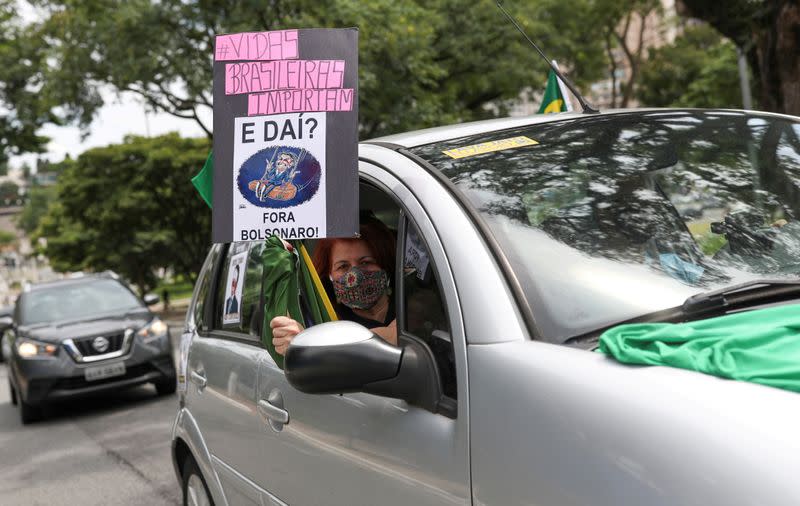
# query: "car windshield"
[[605, 218], [75, 300]]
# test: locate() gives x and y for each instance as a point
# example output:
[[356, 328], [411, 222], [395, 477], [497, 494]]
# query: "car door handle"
[[274, 413], [198, 379]]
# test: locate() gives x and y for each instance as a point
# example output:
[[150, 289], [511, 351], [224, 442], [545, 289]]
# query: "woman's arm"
[[388, 333]]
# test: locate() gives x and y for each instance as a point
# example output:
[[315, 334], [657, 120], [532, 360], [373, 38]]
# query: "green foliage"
[[9, 192], [7, 238], [39, 201], [698, 70], [21, 108], [177, 289], [421, 63], [130, 208]]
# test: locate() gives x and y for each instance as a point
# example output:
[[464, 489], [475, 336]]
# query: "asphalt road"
[[109, 450]]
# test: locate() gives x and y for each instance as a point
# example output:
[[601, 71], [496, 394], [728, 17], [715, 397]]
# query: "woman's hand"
[[283, 331]]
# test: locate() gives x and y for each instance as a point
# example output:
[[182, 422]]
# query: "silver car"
[[519, 242]]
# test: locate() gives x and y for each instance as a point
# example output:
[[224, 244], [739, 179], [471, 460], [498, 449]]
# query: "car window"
[[424, 315], [611, 217], [204, 283], [238, 291], [76, 300], [252, 304]]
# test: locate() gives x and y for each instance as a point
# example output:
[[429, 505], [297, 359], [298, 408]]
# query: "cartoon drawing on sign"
[[276, 183], [279, 176]]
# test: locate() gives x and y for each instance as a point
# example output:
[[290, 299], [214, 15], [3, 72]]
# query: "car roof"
[[447, 132], [444, 133], [74, 279]]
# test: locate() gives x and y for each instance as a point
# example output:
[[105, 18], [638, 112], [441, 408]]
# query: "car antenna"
[[587, 109]]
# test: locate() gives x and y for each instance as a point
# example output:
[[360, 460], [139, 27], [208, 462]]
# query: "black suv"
[[79, 336]]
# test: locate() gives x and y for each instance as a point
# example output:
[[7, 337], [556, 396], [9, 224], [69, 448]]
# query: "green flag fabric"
[[280, 287], [286, 277], [760, 346], [204, 180], [553, 100]]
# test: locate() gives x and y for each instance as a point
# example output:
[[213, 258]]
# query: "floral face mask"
[[360, 289]]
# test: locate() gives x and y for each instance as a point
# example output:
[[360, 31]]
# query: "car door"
[[362, 449], [223, 372]]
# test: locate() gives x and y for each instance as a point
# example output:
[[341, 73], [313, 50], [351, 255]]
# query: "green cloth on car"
[[760, 346]]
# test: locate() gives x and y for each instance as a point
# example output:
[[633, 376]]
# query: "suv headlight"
[[30, 348], [153, 330]]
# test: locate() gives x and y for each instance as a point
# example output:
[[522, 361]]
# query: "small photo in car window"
[[234, 284], [416, 255]]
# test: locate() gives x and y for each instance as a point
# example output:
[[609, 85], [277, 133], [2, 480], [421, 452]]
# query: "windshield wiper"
[[761, 291], [757, 292]]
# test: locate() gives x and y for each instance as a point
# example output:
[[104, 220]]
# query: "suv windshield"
[[610, 217], [75, 300]]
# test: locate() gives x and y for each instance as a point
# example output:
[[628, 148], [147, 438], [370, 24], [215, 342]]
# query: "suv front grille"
[[84, 349], [87, 349]]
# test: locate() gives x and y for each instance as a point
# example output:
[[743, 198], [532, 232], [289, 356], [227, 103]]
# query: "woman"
[[359, 273]]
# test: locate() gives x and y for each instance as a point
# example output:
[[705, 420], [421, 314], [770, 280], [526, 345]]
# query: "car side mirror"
[[5, 322], [343, 356], [337, 357], [151, 298]]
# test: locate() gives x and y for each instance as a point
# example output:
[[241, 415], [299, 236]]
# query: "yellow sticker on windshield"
[[488, 147]]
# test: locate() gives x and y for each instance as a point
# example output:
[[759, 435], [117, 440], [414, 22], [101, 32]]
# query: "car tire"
[[195, 490], [166, 387], [29, 413], [12, 393]]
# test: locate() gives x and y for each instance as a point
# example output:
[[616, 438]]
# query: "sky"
[[120, 116]]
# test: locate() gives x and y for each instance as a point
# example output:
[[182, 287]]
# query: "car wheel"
[[195, 491], [12, 393], [28, 412], [166, 387]]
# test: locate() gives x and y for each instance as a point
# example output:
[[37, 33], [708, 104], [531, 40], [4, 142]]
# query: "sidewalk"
[[176, 312]]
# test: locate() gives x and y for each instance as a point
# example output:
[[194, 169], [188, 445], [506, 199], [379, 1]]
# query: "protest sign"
[[285, 135]]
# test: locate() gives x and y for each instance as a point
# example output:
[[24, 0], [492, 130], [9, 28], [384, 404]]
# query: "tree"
[[9, 192], [22, 111], [766, 30], [699, 69], [623, 25], [421, 63], [39, 201], [130, 208]]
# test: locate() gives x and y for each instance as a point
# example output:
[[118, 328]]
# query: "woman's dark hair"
[[379, 239]]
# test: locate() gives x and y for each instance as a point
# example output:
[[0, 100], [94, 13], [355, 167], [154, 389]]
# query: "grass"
[[7, 238], [177, 289]]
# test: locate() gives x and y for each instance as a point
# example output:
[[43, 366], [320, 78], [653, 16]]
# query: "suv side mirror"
[[340, 357], [5, 322], [150, 299]]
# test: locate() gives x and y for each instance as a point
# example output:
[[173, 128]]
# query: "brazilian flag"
[[553, 100], [288, 276]]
